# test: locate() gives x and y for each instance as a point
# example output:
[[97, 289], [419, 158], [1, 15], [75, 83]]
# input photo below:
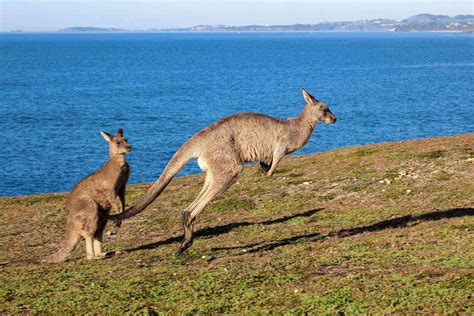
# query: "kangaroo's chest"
[[121, 177], [110, 185]]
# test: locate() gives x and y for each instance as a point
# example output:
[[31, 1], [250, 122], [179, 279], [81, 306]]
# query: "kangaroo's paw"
[[263, 167]]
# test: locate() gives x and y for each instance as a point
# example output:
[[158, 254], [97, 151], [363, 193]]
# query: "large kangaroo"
[[90, 201], [222, 149]]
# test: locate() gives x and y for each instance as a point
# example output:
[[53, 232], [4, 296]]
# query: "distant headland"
[[416, 23]]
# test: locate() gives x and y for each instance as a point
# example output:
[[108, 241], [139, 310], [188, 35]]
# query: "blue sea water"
[[58, 91]]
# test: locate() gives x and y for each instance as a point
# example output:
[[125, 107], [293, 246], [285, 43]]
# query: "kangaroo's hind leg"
[[218, 180], [98, 237], [86, 221], [90, 254]]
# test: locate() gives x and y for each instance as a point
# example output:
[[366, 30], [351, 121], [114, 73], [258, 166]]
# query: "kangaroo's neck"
[[307, 122], [303, 126], [117, 161]]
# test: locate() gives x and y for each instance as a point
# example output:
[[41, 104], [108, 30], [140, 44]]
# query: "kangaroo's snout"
[[330, 118]]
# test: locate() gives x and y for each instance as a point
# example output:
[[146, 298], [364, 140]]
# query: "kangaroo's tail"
[[69, 244], [19, 262], [177, 162]]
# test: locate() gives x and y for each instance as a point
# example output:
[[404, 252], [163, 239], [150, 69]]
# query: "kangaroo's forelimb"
[[264, 166], [278, 154]]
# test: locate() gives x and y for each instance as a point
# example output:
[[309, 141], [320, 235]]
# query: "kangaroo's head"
[[118, 145], [319, 111]]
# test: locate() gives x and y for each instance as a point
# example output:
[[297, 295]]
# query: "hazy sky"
[[50, 15]]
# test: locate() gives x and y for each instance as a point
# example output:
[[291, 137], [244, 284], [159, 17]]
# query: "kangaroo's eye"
[[126, 140], [117, 142]]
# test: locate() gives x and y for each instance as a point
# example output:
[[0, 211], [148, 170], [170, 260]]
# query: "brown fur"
[[222, 149], [91, 199]]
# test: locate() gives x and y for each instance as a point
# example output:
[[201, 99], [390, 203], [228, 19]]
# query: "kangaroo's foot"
[[119, 252], [188, 233], [185, 245], [101, 255]]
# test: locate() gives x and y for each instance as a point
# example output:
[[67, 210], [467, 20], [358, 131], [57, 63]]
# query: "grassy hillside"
[[382, 228]]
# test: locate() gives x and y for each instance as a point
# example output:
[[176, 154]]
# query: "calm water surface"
[[58, 90]]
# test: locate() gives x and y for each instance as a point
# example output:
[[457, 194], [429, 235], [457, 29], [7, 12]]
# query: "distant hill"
[[90, 29], [419, 22], [362, 25], [428, 22]]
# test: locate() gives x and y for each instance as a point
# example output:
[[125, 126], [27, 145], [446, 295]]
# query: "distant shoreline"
[[228, 32], [417, 23]]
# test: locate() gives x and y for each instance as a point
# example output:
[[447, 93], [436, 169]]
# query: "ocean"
[[58, 90]]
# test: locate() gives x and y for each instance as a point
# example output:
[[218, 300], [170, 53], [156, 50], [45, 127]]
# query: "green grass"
[[378, 229], [432, 154]]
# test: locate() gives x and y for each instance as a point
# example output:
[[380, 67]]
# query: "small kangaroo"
[[222, 149], [91, 200]]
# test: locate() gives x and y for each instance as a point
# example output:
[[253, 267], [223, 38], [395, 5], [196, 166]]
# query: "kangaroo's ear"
[[308, 97], [120, 132], [106, 136]]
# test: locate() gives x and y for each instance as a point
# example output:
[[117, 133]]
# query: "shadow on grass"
[[219, 230], [398, 222]]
